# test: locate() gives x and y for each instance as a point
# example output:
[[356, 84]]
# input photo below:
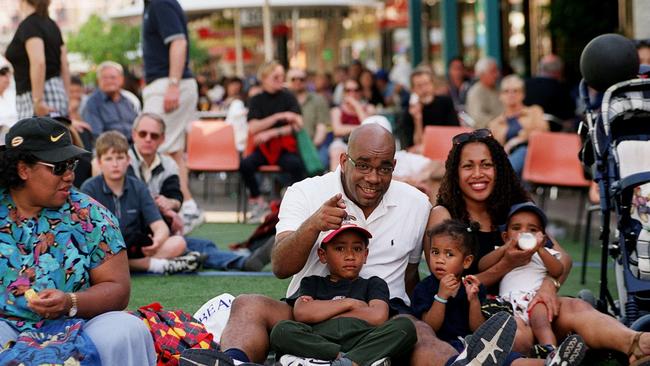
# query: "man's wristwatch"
[[73, 309], [174, 81]]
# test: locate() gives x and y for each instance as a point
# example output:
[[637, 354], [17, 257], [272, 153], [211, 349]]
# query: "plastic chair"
[[211, 148], [552, 161], [437, 140]]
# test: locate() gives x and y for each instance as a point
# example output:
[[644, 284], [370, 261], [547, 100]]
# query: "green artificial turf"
[[189, 292]]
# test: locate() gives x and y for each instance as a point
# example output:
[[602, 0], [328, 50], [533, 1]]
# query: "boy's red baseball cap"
[[344, 227]]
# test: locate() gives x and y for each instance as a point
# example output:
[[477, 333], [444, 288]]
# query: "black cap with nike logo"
[[43, 137]]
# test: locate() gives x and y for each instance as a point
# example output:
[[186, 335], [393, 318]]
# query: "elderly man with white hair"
[[483, 103], [110, 107]]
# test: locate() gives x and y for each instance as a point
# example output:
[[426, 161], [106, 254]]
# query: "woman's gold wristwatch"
[[556, 283], [73, 309]]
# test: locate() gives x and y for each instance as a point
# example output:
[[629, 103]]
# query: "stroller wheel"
[[587, 296]]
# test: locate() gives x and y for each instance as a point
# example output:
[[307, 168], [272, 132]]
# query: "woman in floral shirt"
[[62, 245]]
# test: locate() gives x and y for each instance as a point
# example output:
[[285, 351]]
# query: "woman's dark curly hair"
[[465, 234], [9, 159], [507, 187]]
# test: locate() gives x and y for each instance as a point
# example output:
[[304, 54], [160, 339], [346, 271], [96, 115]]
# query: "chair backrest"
[[552, 159], [437, 140], [211, 147]]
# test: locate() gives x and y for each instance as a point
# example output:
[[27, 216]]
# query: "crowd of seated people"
[[363, 183]]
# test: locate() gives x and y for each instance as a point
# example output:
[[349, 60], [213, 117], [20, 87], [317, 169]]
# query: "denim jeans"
[[215, 258]]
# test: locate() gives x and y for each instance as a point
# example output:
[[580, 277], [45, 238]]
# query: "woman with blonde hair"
[[517, 121], [273, 116]]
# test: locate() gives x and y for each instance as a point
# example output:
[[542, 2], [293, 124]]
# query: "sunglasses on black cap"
[[61, 167], [481, 133]]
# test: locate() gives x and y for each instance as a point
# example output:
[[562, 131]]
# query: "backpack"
[[174, 331]]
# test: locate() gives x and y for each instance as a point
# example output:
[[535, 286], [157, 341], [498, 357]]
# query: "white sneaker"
[[192, 216], [381, 362], [183, 264], [291, 360], [258, 212]]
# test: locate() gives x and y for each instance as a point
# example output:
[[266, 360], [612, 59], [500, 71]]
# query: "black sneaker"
[[541, 350], [260, 256], [490, 344], [569, 353], [183, 264], [208, 357]]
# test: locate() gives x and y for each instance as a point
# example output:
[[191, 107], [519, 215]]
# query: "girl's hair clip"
[[469, 229]]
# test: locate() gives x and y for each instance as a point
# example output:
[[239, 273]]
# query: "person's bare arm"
[[36, 53], [65, 69], [320, 134], [177, 55], [435, 316], [110, 290], [308, 310], [411, 277], [338, 128], [491, 258], [553, 265], [472, 288], [292, 248], [547, 292], [374, 313]]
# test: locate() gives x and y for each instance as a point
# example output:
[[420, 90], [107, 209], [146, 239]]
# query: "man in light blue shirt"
[[109, 107]]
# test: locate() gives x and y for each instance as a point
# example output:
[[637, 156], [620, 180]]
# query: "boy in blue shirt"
[[149, 246]]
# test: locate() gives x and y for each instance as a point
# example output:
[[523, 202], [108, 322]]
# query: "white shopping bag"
[[214, 314]]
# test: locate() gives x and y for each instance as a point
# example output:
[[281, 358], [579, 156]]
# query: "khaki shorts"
[[176, 122]]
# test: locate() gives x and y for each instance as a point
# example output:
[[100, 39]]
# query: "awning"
[[193, 7]]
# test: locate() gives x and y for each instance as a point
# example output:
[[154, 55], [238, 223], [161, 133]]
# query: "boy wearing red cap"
[[342, 318]]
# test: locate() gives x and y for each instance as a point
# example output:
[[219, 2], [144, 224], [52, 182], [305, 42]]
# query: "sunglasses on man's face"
[[61, 167], [144, 134], [479, 134]]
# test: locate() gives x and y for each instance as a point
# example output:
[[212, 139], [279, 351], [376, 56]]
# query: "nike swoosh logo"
[[55, 139]]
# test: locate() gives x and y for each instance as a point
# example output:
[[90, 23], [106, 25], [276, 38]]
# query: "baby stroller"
[[616, 149]]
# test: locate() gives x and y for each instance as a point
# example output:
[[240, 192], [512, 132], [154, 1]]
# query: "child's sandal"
[[640, 358]]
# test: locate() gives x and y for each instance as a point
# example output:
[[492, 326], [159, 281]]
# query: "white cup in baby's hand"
[[527, 241]]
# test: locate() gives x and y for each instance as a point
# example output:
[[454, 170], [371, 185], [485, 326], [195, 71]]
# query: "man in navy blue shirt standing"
[[171, 90]]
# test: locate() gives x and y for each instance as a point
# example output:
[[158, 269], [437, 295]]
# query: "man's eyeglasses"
[[350, 90], [479, 134], [144, 134], [297, 79], [4, 71], [61, 167], [365, 168]]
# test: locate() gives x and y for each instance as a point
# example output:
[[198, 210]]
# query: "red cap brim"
[[334, 233]]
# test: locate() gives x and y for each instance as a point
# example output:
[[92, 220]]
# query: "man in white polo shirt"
[[360, 189]]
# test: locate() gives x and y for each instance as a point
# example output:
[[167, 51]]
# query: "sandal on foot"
[[641, 359]]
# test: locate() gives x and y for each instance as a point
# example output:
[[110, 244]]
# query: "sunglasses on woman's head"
[[479, 134], [61, 167]]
